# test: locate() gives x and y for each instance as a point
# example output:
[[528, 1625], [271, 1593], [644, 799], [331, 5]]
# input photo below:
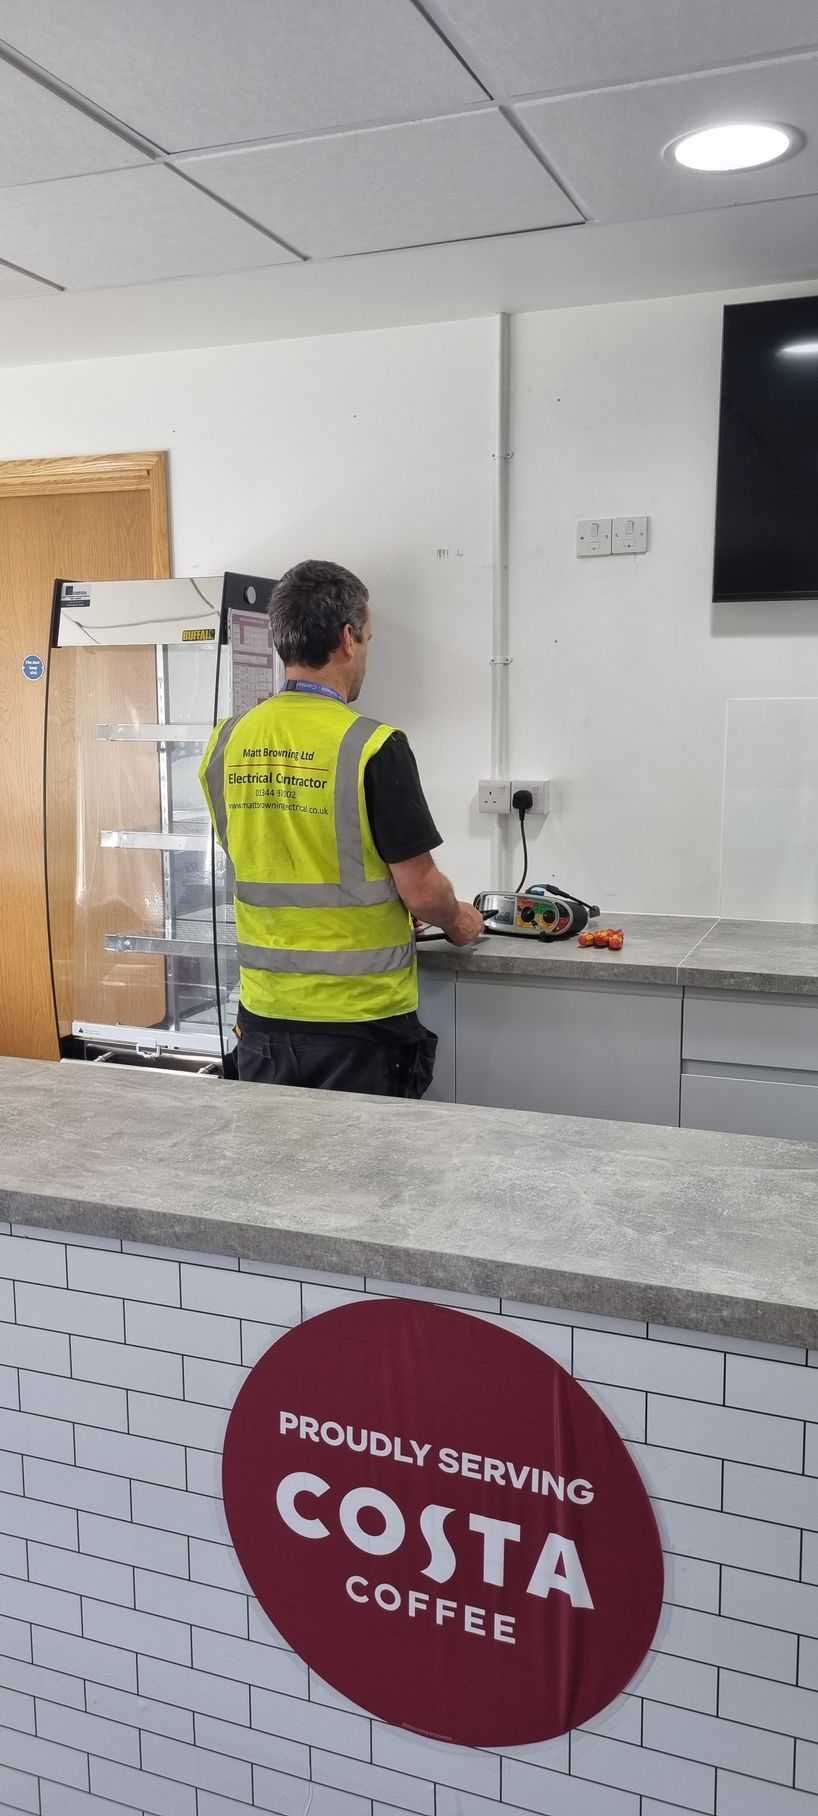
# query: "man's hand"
[[466, 927]]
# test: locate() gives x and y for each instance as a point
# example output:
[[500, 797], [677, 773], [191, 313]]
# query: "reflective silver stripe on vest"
[[347, 816], [327, 964], [214, 776], [354, 889], [315, 895]]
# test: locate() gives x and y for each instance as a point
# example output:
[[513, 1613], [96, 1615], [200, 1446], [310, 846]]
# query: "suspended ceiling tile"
[[453, 179], [42, 136], [610, 145], [191, 73], [126, 227], [14, 284], [545, 46]]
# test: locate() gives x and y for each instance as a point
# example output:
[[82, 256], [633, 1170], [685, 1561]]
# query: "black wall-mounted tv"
[[767, 497]]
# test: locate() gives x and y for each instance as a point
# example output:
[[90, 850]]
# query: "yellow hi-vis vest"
[[322, 933]]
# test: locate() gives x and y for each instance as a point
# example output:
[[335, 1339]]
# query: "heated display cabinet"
[[140, 896]]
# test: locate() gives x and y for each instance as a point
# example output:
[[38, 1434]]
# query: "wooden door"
[[88, 518]]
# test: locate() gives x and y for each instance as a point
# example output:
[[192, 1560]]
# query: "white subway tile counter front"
[[137, 1670]]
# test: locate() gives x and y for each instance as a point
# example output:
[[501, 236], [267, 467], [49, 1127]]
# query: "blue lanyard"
[[313, 687]]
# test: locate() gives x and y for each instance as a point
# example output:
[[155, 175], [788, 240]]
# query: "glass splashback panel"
[[770, 831]]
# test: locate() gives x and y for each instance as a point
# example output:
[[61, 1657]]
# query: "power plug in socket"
[[494, 797], [540, 795]]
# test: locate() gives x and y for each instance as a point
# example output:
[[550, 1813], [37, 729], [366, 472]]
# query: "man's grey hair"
[[309, 607]]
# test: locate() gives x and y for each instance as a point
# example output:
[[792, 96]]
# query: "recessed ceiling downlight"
[[736, 147]]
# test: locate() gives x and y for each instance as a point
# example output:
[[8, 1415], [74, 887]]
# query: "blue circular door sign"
[[33, 668]]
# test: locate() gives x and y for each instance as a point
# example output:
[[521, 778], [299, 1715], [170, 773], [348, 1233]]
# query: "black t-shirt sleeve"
[[402, 826]]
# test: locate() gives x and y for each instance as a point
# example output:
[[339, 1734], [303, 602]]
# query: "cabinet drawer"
[[773, 1032], [750, 1106]]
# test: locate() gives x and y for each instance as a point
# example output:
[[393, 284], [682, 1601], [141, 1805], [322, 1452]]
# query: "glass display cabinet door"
[[140, 895]]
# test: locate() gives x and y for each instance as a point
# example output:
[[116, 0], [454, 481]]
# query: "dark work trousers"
[[323, 1061]]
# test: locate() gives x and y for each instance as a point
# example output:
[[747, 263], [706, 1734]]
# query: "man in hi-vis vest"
[[323, 817]]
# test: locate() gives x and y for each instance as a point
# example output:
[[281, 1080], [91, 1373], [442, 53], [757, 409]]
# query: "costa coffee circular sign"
[[442, 1523]]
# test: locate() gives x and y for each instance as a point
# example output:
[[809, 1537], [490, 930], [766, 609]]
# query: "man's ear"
[[347, 640]]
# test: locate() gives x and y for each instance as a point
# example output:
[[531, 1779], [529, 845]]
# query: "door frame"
[[100, 473]]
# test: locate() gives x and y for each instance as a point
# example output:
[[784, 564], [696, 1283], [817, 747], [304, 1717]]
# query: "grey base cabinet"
[[750, 1064], [743, 1063], [570, 1049]]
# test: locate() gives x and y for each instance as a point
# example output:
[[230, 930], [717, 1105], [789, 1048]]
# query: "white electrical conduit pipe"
[[500, 657]]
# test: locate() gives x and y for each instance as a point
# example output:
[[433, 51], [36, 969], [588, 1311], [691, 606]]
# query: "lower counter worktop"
[[682, 1228]]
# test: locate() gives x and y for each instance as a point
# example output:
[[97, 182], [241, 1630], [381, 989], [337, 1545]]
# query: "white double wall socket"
[[612, 536], [497, 796]]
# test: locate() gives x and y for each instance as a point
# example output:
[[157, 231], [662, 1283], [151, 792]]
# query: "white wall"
[[375, 449], [369, 449], [623, 667]]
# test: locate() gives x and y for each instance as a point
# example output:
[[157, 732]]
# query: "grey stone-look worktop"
[[756, 955], [704, 1231], [655, 948], [698, 952]]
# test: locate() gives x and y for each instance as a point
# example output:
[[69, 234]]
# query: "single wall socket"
[[540, 793], [594, 536], [630, 535], [494, 797]]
